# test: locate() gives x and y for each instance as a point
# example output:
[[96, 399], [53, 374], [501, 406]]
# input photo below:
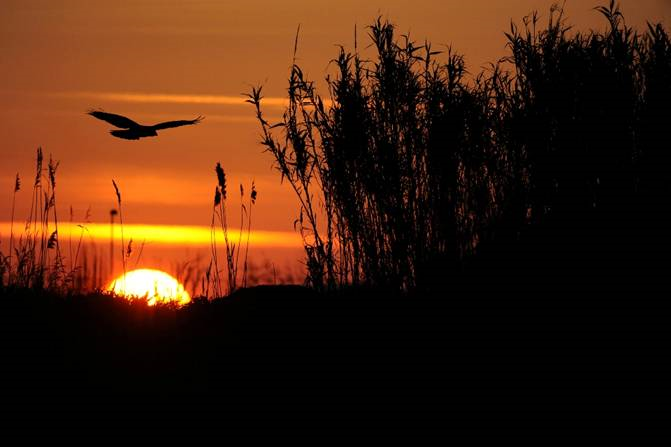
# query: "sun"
[[153, 285]]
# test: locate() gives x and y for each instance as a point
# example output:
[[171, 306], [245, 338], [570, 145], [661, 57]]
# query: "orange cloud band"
[[168, 98]]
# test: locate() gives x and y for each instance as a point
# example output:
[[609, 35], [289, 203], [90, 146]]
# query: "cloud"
[[170, 98], [176, 98]]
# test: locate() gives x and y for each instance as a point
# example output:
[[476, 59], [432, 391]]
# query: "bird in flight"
[[134, 131]]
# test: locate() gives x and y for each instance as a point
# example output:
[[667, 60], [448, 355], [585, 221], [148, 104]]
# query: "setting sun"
[[153, 285]]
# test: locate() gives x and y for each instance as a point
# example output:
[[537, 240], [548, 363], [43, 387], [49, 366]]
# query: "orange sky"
[[158, 60]]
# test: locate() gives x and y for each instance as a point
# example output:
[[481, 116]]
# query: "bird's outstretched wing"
[[169, 124], [116, 120]]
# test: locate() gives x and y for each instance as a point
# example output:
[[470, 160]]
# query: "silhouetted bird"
[[133, 130]]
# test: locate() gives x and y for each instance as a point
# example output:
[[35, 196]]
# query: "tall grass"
[[232, 249], [17, 187], [125, 252], [403, 163], [35, 259], [36, 262], [417, 164], [250, 205]]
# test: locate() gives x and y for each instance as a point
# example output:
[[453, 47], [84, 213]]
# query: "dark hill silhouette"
[[483, 364]]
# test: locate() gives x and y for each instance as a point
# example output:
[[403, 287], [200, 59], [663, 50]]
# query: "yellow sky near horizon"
[[193, 235], [162, 60]]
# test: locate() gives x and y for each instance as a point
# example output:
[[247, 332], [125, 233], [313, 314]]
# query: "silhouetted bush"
[[413, 165]]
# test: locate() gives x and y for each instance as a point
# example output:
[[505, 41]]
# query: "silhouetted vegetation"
[[35, 258], [416, 166], [232, 249], [35, 261]]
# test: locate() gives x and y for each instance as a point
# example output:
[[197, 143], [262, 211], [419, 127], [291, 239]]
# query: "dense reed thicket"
[[415, 165]]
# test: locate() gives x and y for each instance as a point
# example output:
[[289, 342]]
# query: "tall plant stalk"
[[123, 250]]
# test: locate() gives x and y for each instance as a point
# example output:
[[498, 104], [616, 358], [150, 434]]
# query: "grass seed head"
[[217, 196], [221, 177], [116, 189]]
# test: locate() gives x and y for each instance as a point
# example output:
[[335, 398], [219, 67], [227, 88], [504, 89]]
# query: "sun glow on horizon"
[[153, 285]]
